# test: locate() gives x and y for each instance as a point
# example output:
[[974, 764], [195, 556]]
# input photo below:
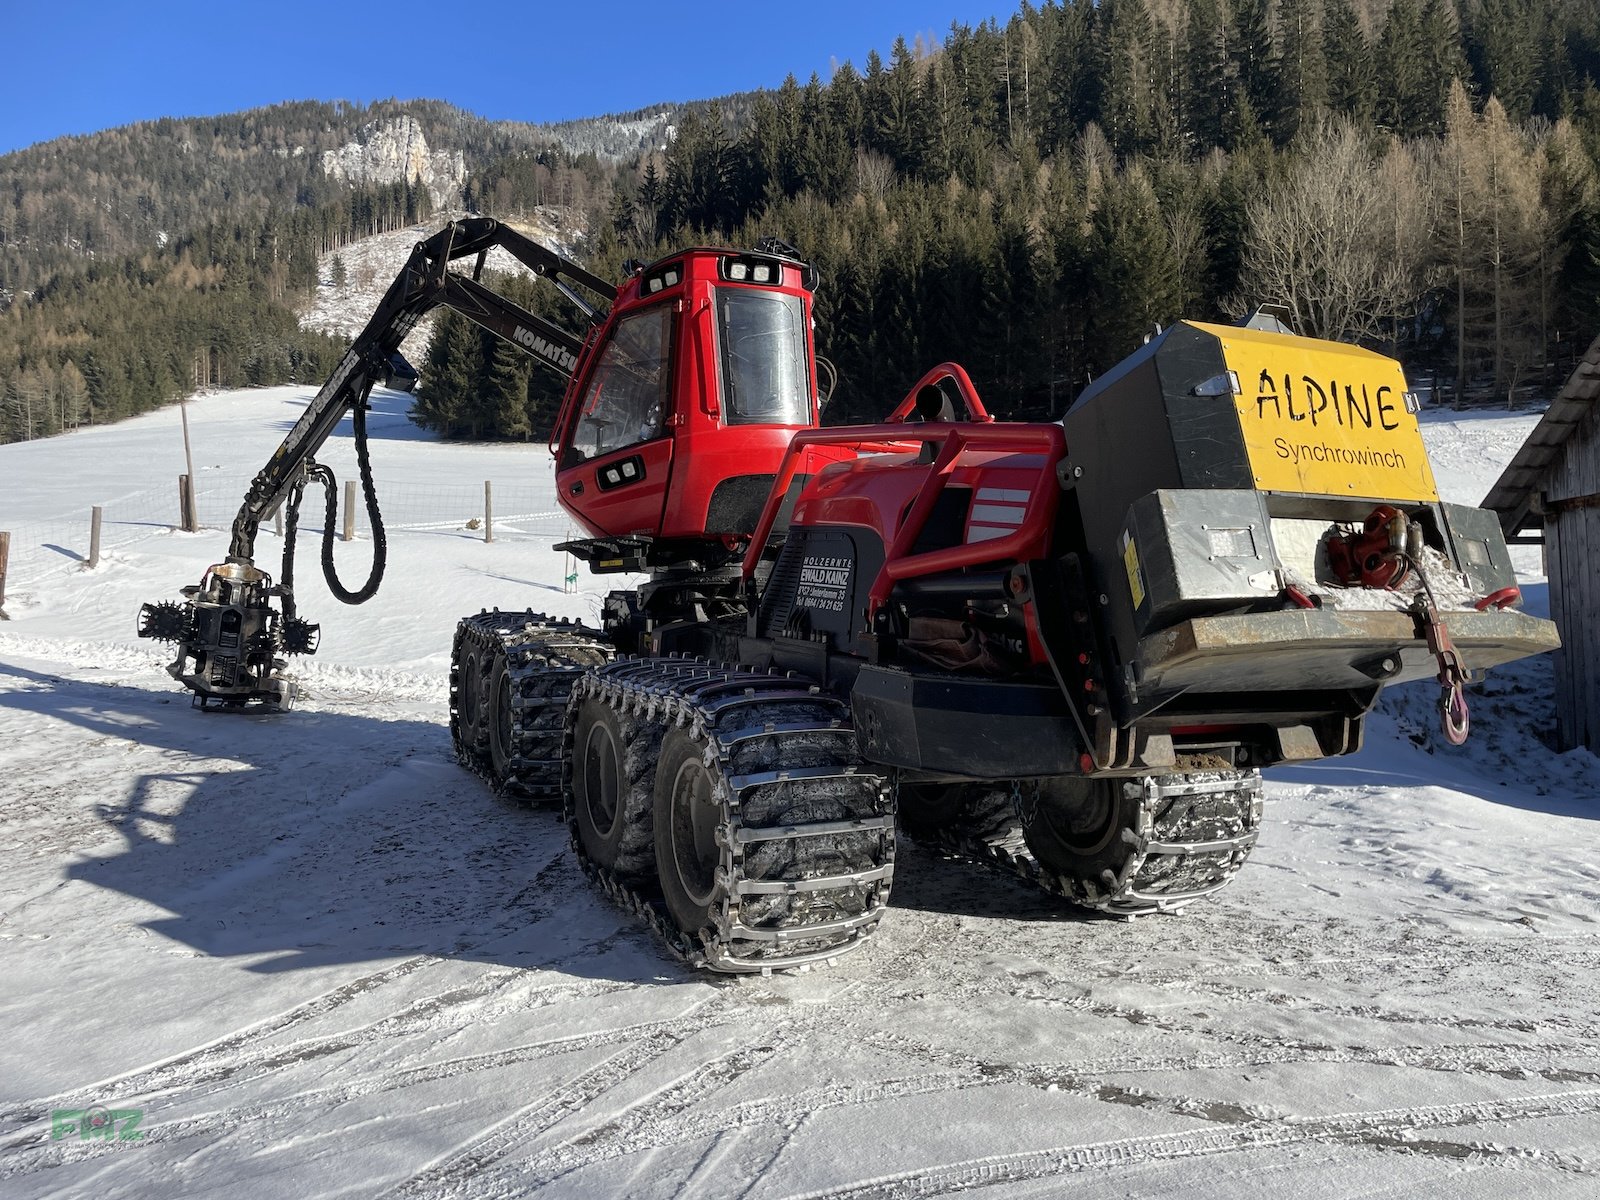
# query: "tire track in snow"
[[631, 1130], [451, 1174], [670, 1125], [25, 1158], [226, 1056], [1384, 1129]]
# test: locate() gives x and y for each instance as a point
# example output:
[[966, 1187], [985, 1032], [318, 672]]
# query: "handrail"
[[945, 370], [955, 438]]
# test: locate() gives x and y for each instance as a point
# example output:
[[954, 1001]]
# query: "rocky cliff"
[[395, 151]]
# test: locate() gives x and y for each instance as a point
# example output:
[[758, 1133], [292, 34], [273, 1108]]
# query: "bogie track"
[[727, 808], [1124, 847], [510, 677], [774, 842]]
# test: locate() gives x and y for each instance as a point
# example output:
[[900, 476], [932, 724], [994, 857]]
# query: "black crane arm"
[[423, 284]]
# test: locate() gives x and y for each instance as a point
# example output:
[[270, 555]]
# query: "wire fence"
[[522, 512]]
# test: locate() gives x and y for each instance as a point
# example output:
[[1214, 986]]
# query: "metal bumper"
[[1301, 649]]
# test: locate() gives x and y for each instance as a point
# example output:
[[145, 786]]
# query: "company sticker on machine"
[[1333, 421], [824, 583]]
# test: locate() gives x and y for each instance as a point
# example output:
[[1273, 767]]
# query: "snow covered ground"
[[318, 958]]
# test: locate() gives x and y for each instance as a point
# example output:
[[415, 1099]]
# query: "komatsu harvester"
[[1065, 647]]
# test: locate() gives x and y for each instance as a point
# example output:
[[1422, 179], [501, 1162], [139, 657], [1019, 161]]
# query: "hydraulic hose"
[[369, 492]]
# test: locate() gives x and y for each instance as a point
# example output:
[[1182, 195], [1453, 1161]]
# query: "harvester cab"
[[683, 406]]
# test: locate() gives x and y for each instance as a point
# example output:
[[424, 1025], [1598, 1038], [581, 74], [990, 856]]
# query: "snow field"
[[322, 959]]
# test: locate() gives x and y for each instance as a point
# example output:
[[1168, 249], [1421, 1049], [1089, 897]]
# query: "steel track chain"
[[778, 910], [1194, 834], [544, 656]]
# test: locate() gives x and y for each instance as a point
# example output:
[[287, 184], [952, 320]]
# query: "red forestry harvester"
[[1067, 648]]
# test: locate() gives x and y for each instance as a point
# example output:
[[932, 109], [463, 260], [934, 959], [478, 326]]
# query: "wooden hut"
[[1550, 492]]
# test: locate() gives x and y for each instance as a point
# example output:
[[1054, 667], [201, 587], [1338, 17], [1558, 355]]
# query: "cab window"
[[626, 400], [764, 375]]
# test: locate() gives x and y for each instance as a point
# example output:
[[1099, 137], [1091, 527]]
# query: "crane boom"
[[423, 284]]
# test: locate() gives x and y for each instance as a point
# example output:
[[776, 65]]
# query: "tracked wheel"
[[510, 676], [689, 818], [467, 725], [773, 843], [1136, 846], [613, 757]]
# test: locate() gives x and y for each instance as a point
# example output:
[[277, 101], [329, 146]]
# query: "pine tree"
[[1446, 61], [1403, 66], [1211, 90], [505, 396], [1507, 42], [1257, 62], [1352, 84], [1132, 281], [1128, 71], [1071, 90], [1303, 69], [447, 400]]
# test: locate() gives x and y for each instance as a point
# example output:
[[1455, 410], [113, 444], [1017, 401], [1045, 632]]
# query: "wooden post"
[[277, 520], [94, 535], [488, 511], [5, 556], [349, 510], [188, 465], [186, 504]]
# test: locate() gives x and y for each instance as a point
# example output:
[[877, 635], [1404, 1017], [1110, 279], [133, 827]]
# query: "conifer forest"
[[1029, 199]]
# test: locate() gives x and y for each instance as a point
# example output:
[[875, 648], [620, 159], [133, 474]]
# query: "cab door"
[[618, 461]]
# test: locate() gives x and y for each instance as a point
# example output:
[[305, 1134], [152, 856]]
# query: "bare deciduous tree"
[[1328, 241]]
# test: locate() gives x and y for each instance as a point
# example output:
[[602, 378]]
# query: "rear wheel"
[[1135, 846], [469, 721], [1084, 830], [928, 812], [497, 718], [688, 813], [611, 788]]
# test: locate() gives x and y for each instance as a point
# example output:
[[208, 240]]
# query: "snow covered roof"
[[1515, 494]]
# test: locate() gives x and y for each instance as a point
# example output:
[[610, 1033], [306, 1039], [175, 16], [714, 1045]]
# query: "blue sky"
[[76, 66]]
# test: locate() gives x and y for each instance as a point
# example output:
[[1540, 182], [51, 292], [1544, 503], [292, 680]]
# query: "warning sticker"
[[1130, 560], [824, 583]]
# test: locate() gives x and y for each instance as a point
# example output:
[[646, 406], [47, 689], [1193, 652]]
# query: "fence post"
[[5, 557], [94, 536], [488, 511], [349, 510], [186, 511]]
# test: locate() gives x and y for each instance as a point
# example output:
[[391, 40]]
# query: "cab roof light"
[[665, 278], [751, 268]]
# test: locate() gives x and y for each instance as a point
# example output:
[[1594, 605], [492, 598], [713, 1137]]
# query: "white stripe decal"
[[983, 533], [1004, 495], [1002, 514]]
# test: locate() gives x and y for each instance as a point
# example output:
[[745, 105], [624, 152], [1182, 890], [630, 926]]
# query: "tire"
[[687, 815], [963, 810], [499, 728], [612, 789], [1087, 832], [470, 725]]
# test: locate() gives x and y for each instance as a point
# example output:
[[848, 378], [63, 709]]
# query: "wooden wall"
[[1572, 558]]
